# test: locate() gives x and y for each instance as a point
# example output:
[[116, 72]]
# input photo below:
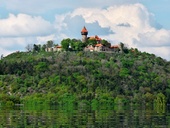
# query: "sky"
[[142, 24]]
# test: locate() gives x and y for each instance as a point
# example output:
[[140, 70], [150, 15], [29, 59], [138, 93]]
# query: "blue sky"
[[160, 8], [143, 24]]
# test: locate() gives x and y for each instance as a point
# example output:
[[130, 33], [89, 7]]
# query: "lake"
[[84, 117]]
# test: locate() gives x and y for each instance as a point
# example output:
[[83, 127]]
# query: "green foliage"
[[149, 97], [65, 44], [41, 66], [124, 48], [160, 99], [124, 72], [102, 55], [1, 83], [105, 43], [9, 101], [160, 102], [77, 45], [91, 42], [72, 45], [120, 100], [68, 78], [9, 104], [50, 44], [37, 48]]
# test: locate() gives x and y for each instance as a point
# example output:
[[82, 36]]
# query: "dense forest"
[[74, 77]]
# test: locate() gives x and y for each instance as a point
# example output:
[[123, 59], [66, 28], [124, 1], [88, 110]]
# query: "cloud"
[[131, 24], [124, 25], [117, 21], [15, 43], [4, 52], [72, 25], [44, 39], [157, 38], [158, 51], [17, 31], [9, 45], [24, 25]]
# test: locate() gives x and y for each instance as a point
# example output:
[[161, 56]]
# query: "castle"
[[84, 34], [99, 46]]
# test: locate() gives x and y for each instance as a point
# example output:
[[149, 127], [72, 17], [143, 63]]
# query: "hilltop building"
[[54, 49], [99, 46], [95, 38], [84, 34], [93, 43]]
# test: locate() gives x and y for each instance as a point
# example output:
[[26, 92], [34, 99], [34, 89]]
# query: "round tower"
[[84, 34]]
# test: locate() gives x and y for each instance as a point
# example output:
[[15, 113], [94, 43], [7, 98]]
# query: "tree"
[[36, 48], [29, 47], [44, 47], [65, 44], [105, 43], [122, 45], [50, 44], [123, 48], [124, 72], [92, 42], [77, 45], [42, 66]]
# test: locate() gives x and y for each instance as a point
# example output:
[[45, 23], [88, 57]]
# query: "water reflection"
[[84, 118]]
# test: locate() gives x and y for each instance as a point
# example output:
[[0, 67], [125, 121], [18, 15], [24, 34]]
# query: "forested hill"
[[94, 77]]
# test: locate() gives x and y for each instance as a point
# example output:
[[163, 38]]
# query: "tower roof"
[[84, 29]]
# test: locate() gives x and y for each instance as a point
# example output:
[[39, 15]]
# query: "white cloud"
[[158, 51], [42, 39], [4, 52], [24, 25], [116, 21], [132, 24], [157, 38], [7, 43], [12, 44], [16, 31], [54, 37]]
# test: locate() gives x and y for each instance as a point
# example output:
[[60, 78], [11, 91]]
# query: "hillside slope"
[[100, 77]]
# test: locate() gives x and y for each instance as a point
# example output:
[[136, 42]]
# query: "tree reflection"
[[83, 117]]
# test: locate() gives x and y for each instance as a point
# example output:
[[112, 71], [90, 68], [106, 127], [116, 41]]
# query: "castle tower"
[[84, 34]]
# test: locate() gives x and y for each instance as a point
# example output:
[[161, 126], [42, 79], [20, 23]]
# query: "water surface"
[[64, 117]]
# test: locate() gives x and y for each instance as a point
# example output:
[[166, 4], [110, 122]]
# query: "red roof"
[[97, 38], [98, 45], [58, 47], [92, 38], [114, 46], [84, 29]]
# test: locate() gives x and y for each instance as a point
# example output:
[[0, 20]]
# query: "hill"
[[90, 77]]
